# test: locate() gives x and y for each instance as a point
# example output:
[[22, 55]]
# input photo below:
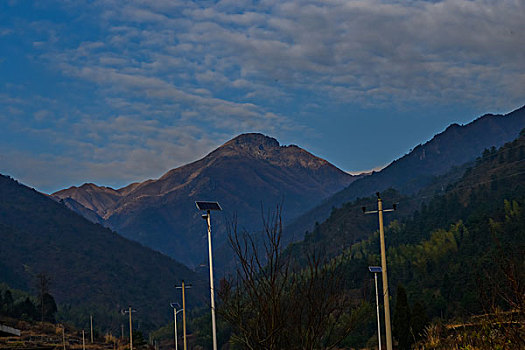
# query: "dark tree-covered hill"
[[88, 264]]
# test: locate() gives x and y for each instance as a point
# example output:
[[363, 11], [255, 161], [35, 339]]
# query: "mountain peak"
[[253, 140]]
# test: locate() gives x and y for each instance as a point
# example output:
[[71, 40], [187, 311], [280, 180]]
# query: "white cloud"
[[166, 72]]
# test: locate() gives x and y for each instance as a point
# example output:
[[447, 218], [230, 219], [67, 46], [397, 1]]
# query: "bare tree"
[[269, 306]]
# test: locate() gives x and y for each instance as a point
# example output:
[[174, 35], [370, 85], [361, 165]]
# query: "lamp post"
[[386, 301], [129, 311], [175, 312], [208, 207], [375, 270], [184, 287]]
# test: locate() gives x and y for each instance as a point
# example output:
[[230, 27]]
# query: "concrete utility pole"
[[129, 311], [184, 287], [386, 296], [91, 323], [64, 336]]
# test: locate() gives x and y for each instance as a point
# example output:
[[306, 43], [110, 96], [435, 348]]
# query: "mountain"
[[457, 145], [247, 175], [460, 253], [89, 265]]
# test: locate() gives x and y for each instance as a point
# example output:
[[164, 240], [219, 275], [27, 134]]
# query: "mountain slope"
[[246, 173], [88, 264], [459, 254], [453, 147]]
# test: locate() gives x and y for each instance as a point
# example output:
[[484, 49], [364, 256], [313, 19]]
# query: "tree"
[[401, 324], [8, 303], [25, 310], [49, 308], [43, 282], [269, 306]]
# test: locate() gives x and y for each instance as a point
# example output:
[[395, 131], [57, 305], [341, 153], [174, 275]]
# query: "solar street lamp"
[[175, 312], [375, 270], [208, 207]]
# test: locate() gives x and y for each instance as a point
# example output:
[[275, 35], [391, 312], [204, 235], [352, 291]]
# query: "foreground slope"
[[87, 263], [246, 173], [453, 147]]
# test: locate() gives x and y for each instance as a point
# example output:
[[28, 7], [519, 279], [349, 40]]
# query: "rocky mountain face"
[[457, 145], [89, 265], [248, 175]]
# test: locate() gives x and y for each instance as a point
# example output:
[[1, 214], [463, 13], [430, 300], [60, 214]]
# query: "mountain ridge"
[[245, 172], [456, 145]]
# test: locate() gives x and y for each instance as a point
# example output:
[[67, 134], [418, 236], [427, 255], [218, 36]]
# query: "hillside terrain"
[[453, 147], [90, 267], [460, 254], [245, 175]]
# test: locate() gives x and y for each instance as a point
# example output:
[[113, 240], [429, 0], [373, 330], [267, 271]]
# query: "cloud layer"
[[143, 86]]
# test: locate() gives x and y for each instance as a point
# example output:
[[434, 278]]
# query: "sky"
[[114, 92]]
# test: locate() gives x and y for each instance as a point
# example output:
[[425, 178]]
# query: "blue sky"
[[114, 92]]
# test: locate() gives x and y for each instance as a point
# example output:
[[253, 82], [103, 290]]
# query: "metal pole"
[[384, 275], [130, 331], [175, 319], [212, 291], [83, 341], [64, 336], [377, 308], [91, 322], [184, 316]]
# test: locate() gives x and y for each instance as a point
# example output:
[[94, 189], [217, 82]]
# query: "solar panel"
[[208, 205], [375, 269]]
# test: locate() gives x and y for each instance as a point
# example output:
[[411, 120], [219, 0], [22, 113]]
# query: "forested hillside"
[[459, 254], [90, 267]]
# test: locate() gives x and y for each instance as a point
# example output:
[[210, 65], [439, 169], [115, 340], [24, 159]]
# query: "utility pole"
[[184, 287], [91, 323], [64, 336], [129, 311], [386, 296]]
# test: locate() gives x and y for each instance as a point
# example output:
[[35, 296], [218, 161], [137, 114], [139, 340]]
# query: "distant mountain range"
[[457, 145], [248, 175], [89, 265]]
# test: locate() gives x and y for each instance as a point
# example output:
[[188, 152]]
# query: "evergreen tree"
[[401, 324], [49, 308], [25, 310], [8, 303]]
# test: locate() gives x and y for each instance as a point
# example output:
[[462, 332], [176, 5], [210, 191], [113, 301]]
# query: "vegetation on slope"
[[91, 268]]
